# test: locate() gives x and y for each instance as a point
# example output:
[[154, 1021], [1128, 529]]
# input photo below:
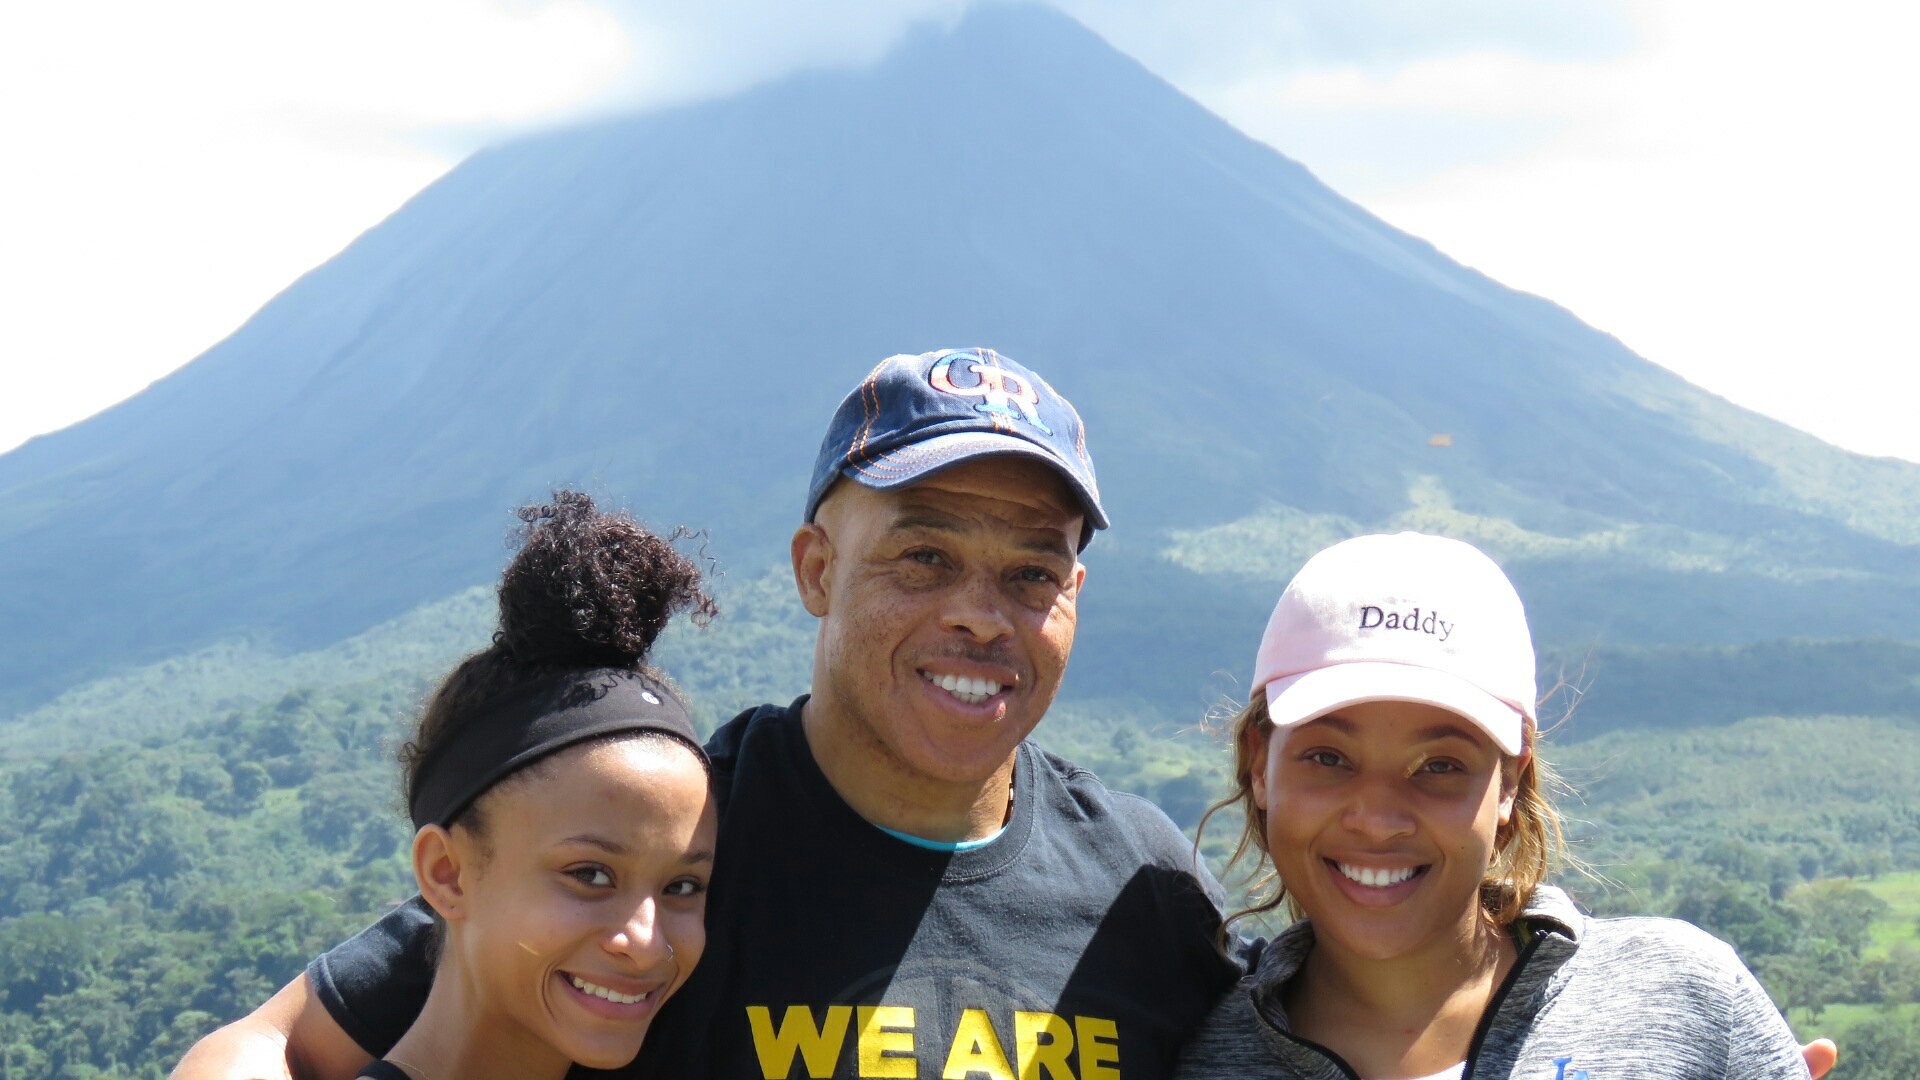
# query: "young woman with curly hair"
[[564, 829]]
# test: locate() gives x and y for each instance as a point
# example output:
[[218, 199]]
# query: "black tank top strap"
[[382, 1070]]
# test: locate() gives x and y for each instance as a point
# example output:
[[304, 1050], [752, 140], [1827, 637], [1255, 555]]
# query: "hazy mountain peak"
[[665, 307]]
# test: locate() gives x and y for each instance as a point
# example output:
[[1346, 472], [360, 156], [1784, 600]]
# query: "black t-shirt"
[[1078, 945]]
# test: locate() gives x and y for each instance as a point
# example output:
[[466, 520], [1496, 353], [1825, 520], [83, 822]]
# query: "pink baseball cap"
[[1401, 617]]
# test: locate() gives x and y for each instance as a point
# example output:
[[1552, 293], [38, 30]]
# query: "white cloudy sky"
[[1727, 186]]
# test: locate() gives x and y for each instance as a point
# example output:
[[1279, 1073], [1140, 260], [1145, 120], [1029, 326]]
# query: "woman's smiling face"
[[582, 903], [1382, 819]]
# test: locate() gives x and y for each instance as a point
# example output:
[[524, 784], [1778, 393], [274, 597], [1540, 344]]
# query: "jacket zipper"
[[1479, 1032], [1338, 1061], [1493, 1005]]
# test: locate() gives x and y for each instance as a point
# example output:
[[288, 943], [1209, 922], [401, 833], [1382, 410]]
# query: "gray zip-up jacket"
[[1589, 999]]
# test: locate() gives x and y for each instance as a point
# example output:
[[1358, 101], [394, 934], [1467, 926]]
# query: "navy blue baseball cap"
[[915, 415]]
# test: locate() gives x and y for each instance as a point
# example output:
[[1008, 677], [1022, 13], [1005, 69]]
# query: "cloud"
[[1730, 199], [686, 49], [174, 165], [701, 48], [1718, 183], [1209, 41], [1376, 133]]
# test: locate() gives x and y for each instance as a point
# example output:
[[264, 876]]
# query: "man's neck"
[[880, 789]]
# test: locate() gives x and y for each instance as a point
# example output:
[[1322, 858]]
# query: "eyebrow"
[[1039, 541], [927, 519], [611, 847], [614, 847], [1337, 723], [1444, 731], [1427, 734], [1051, 544]]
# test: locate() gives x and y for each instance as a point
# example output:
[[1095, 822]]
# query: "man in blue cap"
[[905, 887]]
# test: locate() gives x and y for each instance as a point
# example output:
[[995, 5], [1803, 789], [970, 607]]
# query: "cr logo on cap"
[[1001, 390]]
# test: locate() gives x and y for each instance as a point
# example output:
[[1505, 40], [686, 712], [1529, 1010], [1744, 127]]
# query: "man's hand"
[[290, 1037], [1820, 1055]]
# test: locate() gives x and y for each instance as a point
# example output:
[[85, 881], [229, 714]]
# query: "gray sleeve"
[[1759, 1042]]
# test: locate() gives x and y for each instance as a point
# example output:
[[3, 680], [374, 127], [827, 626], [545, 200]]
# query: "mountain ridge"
[[664, 307]]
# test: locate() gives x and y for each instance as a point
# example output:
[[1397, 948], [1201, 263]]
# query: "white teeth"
[[968, 689], [1376, 879], [615, 996]]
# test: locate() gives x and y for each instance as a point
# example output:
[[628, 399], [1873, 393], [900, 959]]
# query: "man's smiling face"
[[947, 610]]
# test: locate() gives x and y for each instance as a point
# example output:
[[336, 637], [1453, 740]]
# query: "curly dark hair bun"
[[591, 588]]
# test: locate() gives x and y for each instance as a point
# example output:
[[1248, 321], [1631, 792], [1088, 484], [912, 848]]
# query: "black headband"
[[520, 727]]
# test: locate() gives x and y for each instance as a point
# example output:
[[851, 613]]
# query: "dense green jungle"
[[163, 871]]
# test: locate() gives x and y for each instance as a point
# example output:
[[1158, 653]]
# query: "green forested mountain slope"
[[149, 891]]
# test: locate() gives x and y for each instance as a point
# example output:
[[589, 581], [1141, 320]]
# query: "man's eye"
[[1038, 575], [927, 558]]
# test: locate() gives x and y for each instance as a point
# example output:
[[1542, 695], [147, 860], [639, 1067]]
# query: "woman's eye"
[[1325, 757], [686, 887], [595, 876], [1442, 766]]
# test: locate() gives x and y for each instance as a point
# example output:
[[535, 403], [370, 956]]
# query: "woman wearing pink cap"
[[1387, 766]]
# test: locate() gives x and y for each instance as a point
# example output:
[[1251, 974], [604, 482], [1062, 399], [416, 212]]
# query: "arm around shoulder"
[[290, 1037], [1229, 1044]]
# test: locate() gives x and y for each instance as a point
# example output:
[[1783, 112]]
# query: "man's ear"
[[440, 867], [812, 552]]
